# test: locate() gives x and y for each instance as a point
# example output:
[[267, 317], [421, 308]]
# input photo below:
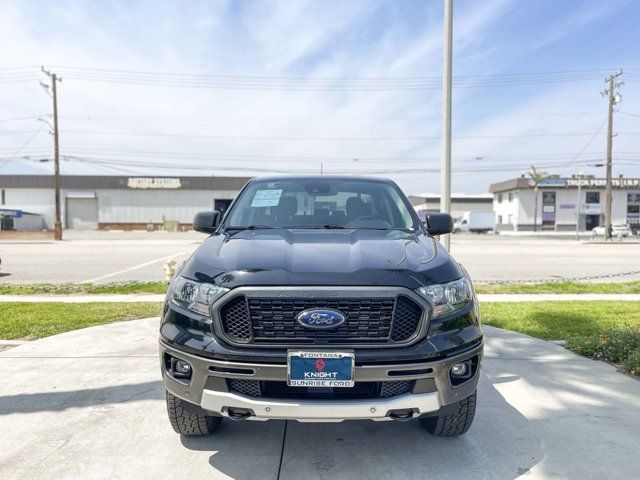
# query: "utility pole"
[[445, 169], [614, 98], [56, 152]]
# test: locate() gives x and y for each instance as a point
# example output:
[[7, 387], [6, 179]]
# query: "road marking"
[[136, 267]]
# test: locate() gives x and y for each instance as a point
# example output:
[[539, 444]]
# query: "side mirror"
[[439, 223], [206, 222]]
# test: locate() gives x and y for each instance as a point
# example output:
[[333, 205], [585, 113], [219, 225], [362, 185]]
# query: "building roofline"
[[478, 196], [511, 184], [117, 182]]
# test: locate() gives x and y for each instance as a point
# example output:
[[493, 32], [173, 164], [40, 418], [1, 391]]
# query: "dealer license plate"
[[320, 369]]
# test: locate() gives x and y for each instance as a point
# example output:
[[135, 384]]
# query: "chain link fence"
[[563, 279]]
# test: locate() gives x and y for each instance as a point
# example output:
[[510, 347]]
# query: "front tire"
[[189, 424], [452, 420]]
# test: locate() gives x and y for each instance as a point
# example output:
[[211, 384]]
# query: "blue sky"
[[500, 129]]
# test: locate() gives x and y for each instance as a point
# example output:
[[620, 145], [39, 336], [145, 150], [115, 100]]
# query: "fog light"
[[459, 369], [182, 367]]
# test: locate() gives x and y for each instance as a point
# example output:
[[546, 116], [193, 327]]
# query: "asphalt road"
[[89, 404], [116, 256]]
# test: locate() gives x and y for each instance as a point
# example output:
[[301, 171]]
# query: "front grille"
[[273, 320], [360, 391]]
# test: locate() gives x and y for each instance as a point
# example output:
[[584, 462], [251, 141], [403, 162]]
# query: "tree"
[[535, 177]]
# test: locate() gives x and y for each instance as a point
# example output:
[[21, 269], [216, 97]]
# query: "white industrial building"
[[113, 202], [562, 202]]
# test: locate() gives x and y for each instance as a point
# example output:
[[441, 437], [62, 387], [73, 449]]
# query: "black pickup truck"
[[321, 299]]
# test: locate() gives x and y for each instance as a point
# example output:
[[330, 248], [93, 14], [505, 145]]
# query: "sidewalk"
[[483, 298]]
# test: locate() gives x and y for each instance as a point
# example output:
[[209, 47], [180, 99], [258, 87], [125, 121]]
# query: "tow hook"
[[238, 413], [402, 415]]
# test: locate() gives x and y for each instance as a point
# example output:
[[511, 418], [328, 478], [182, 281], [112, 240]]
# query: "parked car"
[[321, 299], [475, 222], [617, 230]]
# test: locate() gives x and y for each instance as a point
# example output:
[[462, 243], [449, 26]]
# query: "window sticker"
[[266, 198]]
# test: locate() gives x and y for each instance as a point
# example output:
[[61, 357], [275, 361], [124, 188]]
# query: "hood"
[[321, 257]]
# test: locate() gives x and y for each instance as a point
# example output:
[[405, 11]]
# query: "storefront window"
[[593, 197]]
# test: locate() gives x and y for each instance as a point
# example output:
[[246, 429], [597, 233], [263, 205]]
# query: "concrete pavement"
[[89, 404], [101, 257], [484, 297]]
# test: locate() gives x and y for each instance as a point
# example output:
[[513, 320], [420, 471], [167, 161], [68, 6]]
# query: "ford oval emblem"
[[320, 318]]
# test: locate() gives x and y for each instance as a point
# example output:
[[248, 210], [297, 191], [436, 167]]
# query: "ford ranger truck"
[[321, 299]]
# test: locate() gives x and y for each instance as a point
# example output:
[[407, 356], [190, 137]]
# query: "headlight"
[[449, 297], [195, 296]]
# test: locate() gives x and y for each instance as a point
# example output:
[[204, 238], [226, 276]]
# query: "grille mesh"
[[273, 320], [235, 320], [251, 388], [406, 319], [361, 390], [392, 389]]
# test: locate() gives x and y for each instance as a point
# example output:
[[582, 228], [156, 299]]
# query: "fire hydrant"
[[169, 269]]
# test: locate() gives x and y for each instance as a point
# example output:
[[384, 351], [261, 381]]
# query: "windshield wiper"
[[249, 227]]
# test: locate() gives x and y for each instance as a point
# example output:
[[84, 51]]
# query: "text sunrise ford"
[[321, 299]]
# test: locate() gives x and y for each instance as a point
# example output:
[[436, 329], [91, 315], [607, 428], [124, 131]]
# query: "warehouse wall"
[[507, 211], [135, 206], [33, 200], [121, 206]]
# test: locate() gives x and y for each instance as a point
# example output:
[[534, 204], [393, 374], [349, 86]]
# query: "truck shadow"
[[364, 449], [53, 401]]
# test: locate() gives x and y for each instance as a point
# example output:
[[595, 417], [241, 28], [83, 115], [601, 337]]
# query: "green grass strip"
[[561, 320], [559, 287], [70, 288], [31, 320]]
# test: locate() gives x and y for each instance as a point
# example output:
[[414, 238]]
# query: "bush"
[[620, 346], [632, 362]]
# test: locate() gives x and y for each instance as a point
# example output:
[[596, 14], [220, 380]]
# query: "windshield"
[[321, 203]]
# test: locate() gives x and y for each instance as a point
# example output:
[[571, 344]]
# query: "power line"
[[200, 166], [292, 138], [17, 119], [477, 159], [597, 132], [331, 119], [179, 79], [3, 163]]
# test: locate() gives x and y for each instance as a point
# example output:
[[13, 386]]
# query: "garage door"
[[82, 213]]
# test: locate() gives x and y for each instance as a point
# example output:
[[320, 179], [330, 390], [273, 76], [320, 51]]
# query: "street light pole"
[[445, 170]]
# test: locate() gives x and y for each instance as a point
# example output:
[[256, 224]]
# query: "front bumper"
[[208, 389], [320, 410]]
